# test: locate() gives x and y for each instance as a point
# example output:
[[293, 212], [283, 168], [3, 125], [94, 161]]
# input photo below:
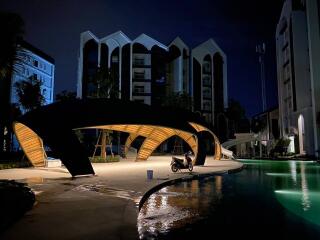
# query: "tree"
[[258, 125], [238, 122], [106, 84], [29, 93], [12, 29], [66, 95], [179, 100]]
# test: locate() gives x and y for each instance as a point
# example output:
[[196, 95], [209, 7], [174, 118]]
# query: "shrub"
[[99, 159]]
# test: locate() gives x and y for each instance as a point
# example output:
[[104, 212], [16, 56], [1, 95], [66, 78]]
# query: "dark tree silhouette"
[[12, 28], [66, 95], [179, 100], [106, 83], [29, 93], [238, 122]]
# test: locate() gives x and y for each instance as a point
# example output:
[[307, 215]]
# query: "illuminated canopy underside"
[[32, 144], [155, 135], [55, 125]]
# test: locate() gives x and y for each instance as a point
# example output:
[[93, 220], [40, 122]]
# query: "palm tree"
[[29, 93], [11, 26]]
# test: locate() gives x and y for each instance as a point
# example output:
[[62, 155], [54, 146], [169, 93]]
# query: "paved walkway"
[[99, 207]]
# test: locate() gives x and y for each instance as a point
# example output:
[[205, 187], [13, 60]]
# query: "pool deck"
[[104, 206]]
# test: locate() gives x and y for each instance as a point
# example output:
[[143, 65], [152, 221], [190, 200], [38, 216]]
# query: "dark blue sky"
[[237, 26]]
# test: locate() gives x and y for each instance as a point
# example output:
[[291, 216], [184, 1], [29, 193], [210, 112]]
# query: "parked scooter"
[[178, 163]]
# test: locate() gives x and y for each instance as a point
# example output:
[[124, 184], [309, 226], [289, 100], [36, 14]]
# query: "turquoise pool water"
[[266, 200]]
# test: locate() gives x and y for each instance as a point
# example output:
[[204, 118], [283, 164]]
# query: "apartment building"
[[147, 71], [37, 65], [297, 42]]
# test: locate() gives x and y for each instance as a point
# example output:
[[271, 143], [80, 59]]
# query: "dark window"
[[139, 100], [35, 63]]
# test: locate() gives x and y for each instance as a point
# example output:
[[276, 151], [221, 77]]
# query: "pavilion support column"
[[103, 144], [129, 141]]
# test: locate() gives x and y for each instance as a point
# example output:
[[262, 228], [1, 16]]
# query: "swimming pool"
[[266, 200]]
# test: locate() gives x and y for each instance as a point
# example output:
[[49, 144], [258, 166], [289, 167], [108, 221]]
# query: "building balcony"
[[206, 72], [134, 79], [286, 81], [144, 94], [207, 97], [285, 45], [140, 64], [205, 110], [286, 63], [207, 83]]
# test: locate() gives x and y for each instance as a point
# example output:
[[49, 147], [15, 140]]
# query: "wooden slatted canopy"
[[55, 124], [31, 144], [217, 145], [155, 135]]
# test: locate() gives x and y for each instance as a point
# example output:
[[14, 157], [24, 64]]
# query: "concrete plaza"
[[104, 206]]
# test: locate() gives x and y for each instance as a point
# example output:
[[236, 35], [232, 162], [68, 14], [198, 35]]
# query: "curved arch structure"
[[155, 135], [31, 144], [217, 145], [55, 123], [129, 141]]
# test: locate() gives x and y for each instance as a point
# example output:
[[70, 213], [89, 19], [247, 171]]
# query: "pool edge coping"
[[148, 193]]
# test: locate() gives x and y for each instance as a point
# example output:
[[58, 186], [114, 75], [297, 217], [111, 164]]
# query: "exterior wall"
[[313, 18], [208, 79], [179, 68], [294, 85], [84, 38], [33, 65]]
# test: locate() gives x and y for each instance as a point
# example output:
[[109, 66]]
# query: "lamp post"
[[261, 50]]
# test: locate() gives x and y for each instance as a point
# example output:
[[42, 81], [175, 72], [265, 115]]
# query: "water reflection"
[[293, 170], [285, 196], [305, 201], [178, 206], [300, 193]]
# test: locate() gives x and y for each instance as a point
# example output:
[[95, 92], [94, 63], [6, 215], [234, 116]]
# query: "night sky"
[[237, 26]]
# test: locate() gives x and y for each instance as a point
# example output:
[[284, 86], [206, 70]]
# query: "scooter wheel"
[[174, 168], [190, 167]]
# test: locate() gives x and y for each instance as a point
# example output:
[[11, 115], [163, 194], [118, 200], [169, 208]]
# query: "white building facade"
[[130, 59], [209, 73], [298, 79], [147, 70], [34, 64]]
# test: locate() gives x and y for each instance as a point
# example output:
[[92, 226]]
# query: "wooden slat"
[[31, 144]]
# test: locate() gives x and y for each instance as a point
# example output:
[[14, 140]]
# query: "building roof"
[[149, 42], [179, 43], [266, 111], [208, 47], [36, 51], [118, 36]]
